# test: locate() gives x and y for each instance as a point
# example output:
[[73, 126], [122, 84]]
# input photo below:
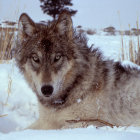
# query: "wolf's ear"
[[64, 25], [26, 26]]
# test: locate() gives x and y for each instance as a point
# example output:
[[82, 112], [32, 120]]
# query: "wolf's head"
[[49, 57]]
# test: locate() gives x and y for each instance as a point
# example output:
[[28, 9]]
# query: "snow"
[[78, 100], [111, 45], [21, 110], [77, 134], [21, 105]]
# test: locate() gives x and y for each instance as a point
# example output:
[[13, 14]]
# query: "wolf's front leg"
[[35, 125], [46, 125]]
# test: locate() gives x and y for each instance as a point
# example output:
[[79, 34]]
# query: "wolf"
[[74, 84]]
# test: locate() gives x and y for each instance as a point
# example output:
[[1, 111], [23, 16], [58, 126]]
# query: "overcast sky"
[[91, 13]]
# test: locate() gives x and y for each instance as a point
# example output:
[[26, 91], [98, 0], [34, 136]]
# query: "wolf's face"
[[46, 57]]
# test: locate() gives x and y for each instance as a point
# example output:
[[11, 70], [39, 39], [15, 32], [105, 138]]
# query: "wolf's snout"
[[47, 90]]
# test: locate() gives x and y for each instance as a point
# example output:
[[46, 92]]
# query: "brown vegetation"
[[91, 32], [6, 42], [110, 30], [10, 23], [133, 52]]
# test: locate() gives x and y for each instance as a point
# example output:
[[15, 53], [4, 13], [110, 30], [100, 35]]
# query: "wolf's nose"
[[47, 90]]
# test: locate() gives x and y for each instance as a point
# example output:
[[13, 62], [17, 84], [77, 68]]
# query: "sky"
[[91, 13]]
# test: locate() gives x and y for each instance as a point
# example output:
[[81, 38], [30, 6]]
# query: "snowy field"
[[20, 106]]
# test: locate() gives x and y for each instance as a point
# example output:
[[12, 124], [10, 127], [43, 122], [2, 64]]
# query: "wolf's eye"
[[57, 57], [35, 58]]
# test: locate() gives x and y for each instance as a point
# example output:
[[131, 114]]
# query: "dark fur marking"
[[105, 75], [121, 104], [35, 68], [119, 68], [119, 71], [96, 53], [46, 44], [59, 66]]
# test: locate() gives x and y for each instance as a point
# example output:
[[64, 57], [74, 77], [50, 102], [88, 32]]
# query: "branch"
[[3, 115], [91, 120]]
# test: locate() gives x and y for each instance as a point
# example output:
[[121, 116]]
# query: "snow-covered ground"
[[111, 45], [89, 133], [20, 106]]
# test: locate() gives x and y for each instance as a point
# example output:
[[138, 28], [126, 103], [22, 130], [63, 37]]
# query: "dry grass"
[[6, 45], [7, 37], [8, 89], [3, 115], [131, 52]]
